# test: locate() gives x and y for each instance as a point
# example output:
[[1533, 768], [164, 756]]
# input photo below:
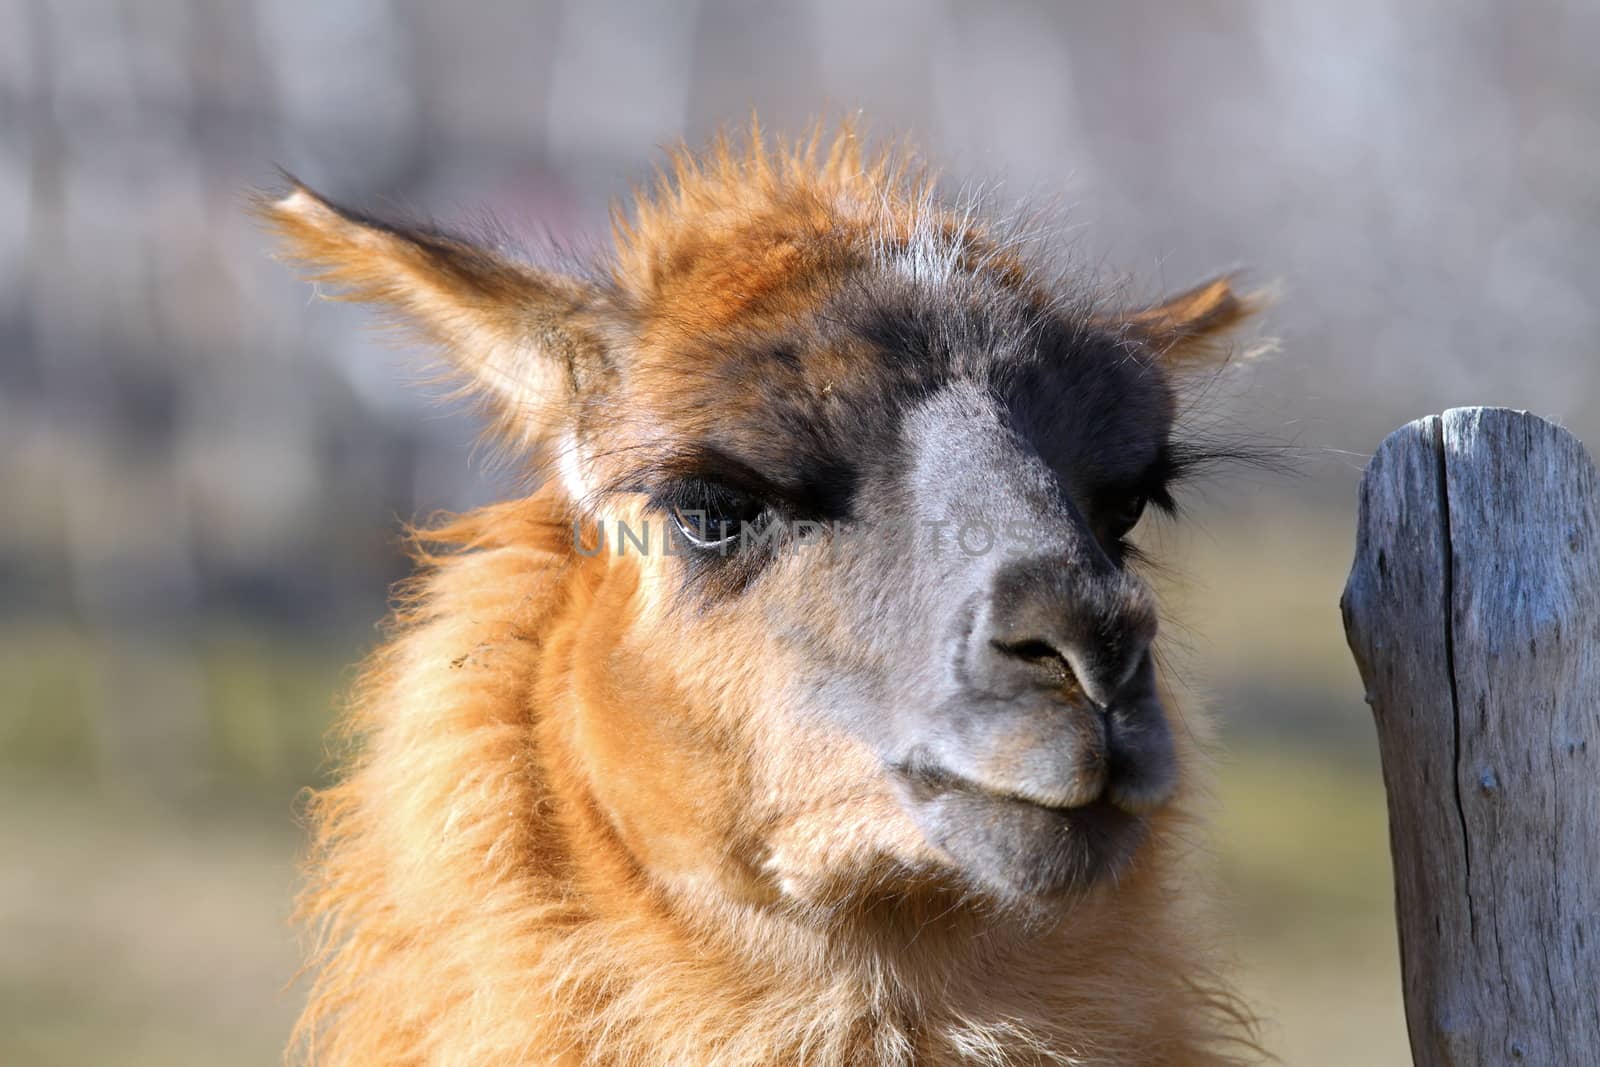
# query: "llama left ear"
[[1193, 326], [520, 336]]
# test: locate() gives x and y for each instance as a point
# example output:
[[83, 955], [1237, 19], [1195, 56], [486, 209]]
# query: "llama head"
[[862, 475]]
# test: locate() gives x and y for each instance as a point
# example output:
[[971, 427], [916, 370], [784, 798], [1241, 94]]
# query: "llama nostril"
[[1078, 672], [1032, 651], [1043, 659], [1069, 623], [1099, 680]]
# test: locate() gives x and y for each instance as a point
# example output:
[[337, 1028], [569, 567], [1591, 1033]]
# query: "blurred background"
[[203, 470]]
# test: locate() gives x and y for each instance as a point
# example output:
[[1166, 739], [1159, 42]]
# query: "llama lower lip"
[[1017, 847], [925, 780]]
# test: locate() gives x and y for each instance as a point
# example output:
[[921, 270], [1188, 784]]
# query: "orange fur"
[[1192, 325]]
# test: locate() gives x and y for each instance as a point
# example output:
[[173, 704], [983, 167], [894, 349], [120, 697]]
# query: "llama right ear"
[[1192, 327], [517, 334]]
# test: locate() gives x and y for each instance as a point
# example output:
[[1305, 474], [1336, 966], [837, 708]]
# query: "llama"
[[850, 748]]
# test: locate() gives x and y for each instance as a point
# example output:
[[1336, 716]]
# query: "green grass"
[[231, 715], [147, 797], [1303, 846], [147, 816]]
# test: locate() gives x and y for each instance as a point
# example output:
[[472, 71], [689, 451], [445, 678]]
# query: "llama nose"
[[1075, 626]]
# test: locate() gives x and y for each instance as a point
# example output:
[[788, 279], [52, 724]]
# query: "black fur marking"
[[806, 416]]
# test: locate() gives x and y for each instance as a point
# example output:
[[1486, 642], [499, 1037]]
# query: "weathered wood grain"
[[1473, 611]]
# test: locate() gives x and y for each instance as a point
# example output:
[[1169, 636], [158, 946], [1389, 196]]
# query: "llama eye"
[[1125, 512], [703, 529], [713, 517]]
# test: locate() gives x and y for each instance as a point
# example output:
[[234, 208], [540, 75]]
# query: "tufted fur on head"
[[586, 820]]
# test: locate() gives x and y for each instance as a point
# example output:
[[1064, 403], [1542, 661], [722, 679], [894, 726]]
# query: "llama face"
[[863, 616], [911, 497]]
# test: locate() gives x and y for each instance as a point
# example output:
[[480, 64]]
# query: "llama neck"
[[728, 981], [671, 972]]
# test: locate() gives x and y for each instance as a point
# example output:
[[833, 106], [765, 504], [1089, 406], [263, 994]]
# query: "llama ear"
[[518, 335], [1193, 326]]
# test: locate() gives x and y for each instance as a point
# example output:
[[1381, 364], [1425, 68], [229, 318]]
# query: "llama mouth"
[[1017, 847], [927, 780]]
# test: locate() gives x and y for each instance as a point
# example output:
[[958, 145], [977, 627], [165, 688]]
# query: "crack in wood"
[[1448, 585]]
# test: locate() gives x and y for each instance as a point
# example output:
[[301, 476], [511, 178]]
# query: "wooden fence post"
[[1473, 610]]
